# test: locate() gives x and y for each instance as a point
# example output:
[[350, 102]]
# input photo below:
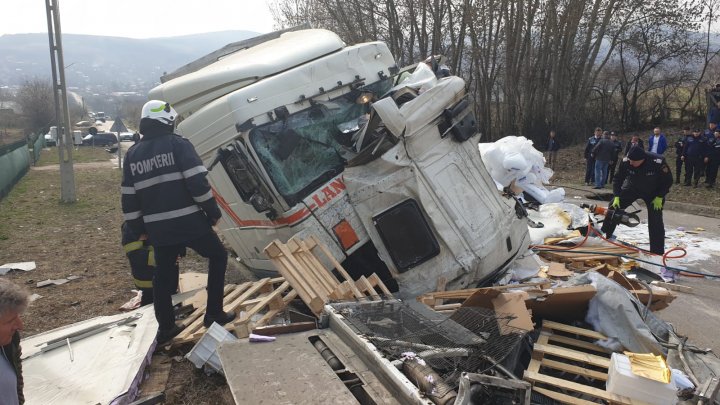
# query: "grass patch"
[[85, 154]]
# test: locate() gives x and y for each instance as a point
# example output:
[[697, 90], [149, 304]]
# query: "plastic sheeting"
[[104, 368], [558, 219], [513, 158], [616, 314]]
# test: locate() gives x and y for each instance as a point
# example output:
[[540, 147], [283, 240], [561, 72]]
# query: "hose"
[[665, 256]]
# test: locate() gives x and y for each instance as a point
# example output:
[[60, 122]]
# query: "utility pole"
[[64, 142]]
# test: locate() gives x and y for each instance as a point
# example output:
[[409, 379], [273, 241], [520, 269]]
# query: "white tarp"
[[513, 158], [103, 368]]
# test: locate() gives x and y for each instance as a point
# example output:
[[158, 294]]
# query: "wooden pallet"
[[301, 263], [268, 295], [585, 259], [570, 350]]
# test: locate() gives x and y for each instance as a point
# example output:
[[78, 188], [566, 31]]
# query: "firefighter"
[[166, 196], [647, 176], [142, 262]]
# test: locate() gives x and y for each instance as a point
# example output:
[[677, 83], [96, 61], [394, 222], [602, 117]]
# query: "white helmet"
[[160, 111]]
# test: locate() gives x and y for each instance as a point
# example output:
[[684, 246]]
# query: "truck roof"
[[190, 92]]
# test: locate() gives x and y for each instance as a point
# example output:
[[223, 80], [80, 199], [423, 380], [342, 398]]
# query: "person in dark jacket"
[[587, 154], [602, 153], [693, 154], [13, 302], [646, 176], [679, 144], [166, 196], [712, 160], [616, 155], [634, 141], [553, 146]]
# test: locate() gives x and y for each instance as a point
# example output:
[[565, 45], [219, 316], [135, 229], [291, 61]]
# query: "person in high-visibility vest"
[[141, 255]]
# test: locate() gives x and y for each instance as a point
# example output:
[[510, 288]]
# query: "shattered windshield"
[[308, 148]]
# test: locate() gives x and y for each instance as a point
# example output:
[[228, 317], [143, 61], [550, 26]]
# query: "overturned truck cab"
[[305, 135]]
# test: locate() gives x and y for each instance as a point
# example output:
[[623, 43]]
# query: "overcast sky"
[[137, 18]]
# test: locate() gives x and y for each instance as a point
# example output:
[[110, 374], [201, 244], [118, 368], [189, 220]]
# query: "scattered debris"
[[133, 303], [260, 338], [205, 350], [59, 281], [35, 297], [23, 266]]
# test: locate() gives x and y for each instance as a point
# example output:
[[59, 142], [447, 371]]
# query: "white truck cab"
[[307, 135]]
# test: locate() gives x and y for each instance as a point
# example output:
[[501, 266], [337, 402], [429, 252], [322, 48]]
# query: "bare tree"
[[709, 52], [35, 98]]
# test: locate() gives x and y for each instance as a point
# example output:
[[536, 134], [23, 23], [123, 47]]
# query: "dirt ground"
[[83, 239]]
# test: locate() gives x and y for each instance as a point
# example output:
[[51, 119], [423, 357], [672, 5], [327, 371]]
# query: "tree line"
[[536, 65]]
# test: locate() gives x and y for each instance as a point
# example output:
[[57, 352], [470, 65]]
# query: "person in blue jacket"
[[657, 142]]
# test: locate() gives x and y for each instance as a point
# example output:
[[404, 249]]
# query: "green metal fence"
[[37, 147], [14, 163]]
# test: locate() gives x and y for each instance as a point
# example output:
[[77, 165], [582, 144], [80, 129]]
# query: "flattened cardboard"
[[561, 304], [556, 269], [503, 303]]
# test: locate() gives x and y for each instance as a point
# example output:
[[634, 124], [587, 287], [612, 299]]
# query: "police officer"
[[166, 196], [643, 175], [679, 144], [693, 155], [712, 160], [589, 159], [616, 155]]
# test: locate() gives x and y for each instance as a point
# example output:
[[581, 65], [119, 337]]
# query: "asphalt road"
[[695, 314]]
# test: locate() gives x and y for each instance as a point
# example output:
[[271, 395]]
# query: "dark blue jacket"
[[553, 145], [662, 144], [695, 147], [651, 179], [590, 145], [165, 192], [714, 150]]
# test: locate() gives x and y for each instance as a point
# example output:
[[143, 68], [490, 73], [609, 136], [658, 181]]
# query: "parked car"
[[126, 136], [100, 139]]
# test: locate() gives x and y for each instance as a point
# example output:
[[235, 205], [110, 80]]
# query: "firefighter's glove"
[[615, 202], [657, 203]]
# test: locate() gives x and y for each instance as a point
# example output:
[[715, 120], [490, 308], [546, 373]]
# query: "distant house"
[[10, 107]]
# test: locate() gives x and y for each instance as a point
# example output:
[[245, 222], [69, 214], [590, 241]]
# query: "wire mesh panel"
[[471, 340]]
